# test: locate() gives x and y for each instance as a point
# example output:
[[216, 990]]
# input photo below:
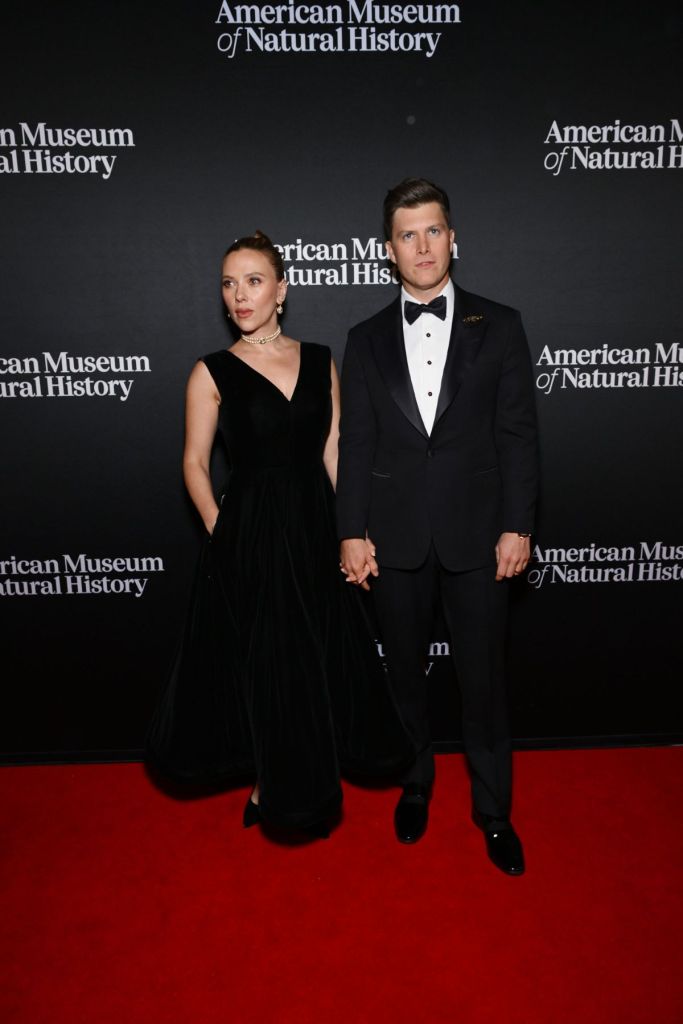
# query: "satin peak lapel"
[[390, 355], [467, 334]]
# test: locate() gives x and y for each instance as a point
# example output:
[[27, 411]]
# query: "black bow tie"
[[437, 306]]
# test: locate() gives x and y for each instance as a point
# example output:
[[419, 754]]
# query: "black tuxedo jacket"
[[475, 476]]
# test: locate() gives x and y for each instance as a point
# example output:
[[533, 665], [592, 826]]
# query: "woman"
[[277, 675]]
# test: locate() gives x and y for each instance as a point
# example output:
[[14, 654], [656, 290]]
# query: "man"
[[438, 468]]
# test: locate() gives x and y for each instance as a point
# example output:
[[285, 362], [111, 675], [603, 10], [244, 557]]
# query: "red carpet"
[[123, 905]]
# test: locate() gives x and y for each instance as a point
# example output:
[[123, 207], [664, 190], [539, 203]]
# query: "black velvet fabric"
[[277, 675]]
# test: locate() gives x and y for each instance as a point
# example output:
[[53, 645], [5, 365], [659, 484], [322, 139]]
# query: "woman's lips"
[[243, 313]]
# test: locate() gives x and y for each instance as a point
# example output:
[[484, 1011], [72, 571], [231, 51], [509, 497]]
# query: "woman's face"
[[251, 290]]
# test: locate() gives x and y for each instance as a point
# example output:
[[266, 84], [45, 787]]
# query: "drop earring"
[[279, 308]]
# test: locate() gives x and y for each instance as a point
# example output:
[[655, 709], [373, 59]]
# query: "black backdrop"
[[557, 212]]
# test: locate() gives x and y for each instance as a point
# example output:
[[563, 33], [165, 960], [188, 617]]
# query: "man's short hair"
[[413, 192]]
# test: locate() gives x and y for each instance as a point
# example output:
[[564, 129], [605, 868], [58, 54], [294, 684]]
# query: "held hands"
[[357, 558], [357, 561], [512, 555]]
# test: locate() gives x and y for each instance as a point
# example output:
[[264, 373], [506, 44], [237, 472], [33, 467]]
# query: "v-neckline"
[[267, 379]]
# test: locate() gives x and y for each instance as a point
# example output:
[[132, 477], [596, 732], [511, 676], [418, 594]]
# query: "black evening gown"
[[277, 676]]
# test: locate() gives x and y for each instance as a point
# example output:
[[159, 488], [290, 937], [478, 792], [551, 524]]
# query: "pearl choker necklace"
[[264, 340]]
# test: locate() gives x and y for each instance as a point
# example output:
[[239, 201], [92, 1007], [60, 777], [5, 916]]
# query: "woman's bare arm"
[[331, 452], [201, 419]]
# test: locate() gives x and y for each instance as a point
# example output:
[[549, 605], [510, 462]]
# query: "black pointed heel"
[[252, 814]]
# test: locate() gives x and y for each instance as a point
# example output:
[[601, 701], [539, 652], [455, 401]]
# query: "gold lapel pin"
[[473, 319]]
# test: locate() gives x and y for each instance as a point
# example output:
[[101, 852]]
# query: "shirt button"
[[429, 394], [429, 362], [428, 334]]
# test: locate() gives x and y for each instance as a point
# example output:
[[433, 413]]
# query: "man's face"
[[420, 246]]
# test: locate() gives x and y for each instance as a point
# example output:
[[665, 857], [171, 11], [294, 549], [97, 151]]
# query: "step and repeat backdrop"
[[138, 140]]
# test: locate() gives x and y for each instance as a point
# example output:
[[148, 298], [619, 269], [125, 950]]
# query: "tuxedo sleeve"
[[516, 434], [357, 439]]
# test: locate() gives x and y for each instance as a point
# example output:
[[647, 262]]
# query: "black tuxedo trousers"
[[474, 605]]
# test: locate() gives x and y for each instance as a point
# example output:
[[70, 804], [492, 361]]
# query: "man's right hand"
[[357, 561]]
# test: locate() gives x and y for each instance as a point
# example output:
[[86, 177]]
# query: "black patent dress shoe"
[[252, 814], [412, 814], [502, 843], [318, 830]]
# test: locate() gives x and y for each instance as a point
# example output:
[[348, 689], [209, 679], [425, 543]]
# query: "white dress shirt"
[[426, 343]]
